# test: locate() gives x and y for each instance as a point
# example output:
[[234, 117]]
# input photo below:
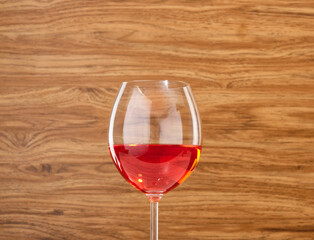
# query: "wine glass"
[[155, 138]]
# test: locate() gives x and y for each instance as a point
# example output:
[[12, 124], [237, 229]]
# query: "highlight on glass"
[[155, 137]]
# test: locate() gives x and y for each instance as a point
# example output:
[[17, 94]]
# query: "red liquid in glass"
[[155, 168]]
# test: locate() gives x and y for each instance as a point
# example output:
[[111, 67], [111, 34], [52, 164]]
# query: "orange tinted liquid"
[[154, 168]]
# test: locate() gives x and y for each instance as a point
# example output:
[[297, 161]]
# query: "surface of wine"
[[154, 168]]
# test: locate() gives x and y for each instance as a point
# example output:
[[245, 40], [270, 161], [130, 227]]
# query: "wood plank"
[[251, 68]]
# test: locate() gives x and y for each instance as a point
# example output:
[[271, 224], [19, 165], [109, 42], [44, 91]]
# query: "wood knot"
[[46, 168], [57, 212]]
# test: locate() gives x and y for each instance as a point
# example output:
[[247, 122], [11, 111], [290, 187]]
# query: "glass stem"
[[153, 220], [154, 199]]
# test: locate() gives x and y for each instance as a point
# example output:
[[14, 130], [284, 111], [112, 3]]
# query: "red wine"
[[155, 168]]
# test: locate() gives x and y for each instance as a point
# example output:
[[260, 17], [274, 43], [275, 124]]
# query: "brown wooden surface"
[[251, 66]]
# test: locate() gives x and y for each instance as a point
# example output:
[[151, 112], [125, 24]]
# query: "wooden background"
[[251, 66]]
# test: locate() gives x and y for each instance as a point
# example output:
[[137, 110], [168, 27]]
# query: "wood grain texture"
[[251, 67]]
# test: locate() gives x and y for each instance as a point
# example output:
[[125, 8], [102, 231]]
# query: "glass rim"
[[167, 83]]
